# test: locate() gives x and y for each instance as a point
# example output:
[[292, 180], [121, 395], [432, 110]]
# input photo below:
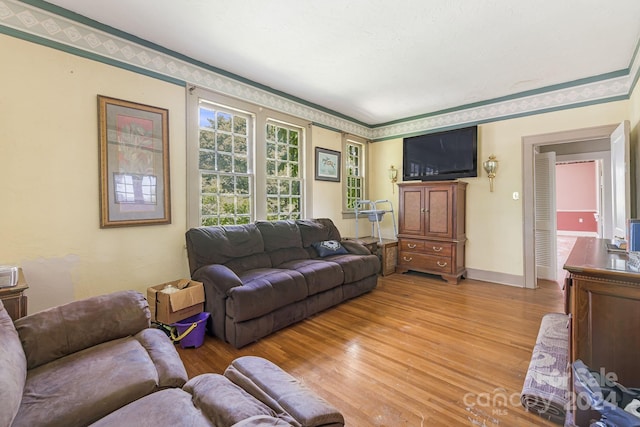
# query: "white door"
[[545, 215], [621, 185], [599, 192]]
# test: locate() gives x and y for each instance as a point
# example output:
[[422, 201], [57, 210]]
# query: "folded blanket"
[[545, 389]]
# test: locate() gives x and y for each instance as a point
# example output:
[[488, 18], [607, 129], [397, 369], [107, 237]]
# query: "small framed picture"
[[134, 164], [327, 165]]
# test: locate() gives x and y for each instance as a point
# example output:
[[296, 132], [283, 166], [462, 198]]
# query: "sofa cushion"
[[59, 331], [317, 230], [83, 387], [280, 256], [279, 234], [263, 291], [320, 275], [13, 369], [250, 262], [170, 407], [356, 267], [218, 245]]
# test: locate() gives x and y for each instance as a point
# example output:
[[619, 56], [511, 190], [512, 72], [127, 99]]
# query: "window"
[[354, 175], [244, 162], [225, 178], [284, 182]]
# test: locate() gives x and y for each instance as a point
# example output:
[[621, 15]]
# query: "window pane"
[[224, 143], [240, 145], [224, 121], [240, 125], [207, 118], [282, 135], [207, 160], [240, 165], [272, 186], [271, 132], [285, 187], [207, 139], [242, 185], [209, 183], [271, 167], [283, 153], [271, 151], [225, 162], [293, 154], [293, 138], [227, 184]]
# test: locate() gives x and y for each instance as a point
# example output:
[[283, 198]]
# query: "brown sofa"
[[97, 362], [261, 277]]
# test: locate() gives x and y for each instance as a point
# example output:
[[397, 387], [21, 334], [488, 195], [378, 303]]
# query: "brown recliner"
[[97, 362]]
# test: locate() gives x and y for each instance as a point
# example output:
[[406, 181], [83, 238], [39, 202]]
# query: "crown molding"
[[63, 30]]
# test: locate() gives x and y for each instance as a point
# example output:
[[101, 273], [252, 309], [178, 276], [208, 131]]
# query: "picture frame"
[[134, 163], [327, 165]]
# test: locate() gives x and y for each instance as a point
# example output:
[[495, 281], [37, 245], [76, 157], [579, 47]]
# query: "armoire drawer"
[[410, 260]]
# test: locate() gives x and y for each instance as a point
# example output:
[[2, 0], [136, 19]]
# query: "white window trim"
[[346, 138], [257, 151]]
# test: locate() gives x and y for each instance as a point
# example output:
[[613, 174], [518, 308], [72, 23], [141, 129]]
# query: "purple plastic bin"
[[195, 338]]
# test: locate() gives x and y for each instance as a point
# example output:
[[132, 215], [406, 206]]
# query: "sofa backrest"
[[13, 371], [317, 230], [221, 244], [59, 331], [282, 240], [259, 245]]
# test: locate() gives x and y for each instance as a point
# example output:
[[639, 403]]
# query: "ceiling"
[[379, 61]]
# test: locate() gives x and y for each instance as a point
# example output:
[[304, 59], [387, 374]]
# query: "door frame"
[[529, 145]]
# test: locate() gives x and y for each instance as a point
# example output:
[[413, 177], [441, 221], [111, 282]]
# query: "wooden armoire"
[[431, 228]]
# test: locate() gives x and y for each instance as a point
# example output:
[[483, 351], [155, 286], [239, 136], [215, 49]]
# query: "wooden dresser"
[[431, 228], [602, 295], [14, 299]]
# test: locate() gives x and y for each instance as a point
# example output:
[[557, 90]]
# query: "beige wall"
[[49, 178], [49, 221]]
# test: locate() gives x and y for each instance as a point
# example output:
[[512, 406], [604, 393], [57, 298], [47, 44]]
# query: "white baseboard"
[[577, 233], [495, 277]]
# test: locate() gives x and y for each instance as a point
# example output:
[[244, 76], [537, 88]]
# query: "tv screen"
[[438, 156]]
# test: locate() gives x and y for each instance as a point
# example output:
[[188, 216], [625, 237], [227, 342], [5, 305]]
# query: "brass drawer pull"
[[437, 249], [410, 246], [441, 264], [407, 259]]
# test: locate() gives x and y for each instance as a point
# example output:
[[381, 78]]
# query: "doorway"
[[579, 195], [590, 143]]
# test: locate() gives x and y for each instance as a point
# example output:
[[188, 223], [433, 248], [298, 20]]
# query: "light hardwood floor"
[[413, 352]]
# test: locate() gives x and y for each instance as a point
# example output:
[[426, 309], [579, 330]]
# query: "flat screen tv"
[[441, 156]]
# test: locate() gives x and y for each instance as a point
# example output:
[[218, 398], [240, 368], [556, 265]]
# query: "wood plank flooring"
[[415, 351]]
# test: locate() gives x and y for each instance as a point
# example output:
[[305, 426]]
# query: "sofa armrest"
[[281, 391], [165, 357], [356, 248], [219, 276], [59, 331]]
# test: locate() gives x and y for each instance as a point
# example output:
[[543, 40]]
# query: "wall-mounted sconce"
[[490, 166], [393, 177]]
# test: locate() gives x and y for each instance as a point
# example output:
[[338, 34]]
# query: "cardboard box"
[[169, 308]]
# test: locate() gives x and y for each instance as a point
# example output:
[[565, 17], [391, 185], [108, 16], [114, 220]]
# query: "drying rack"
[[374, 212]]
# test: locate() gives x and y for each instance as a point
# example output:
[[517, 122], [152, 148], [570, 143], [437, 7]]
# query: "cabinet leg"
[[452, 280]]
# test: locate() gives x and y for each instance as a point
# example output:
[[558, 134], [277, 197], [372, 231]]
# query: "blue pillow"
[[329, 247]]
